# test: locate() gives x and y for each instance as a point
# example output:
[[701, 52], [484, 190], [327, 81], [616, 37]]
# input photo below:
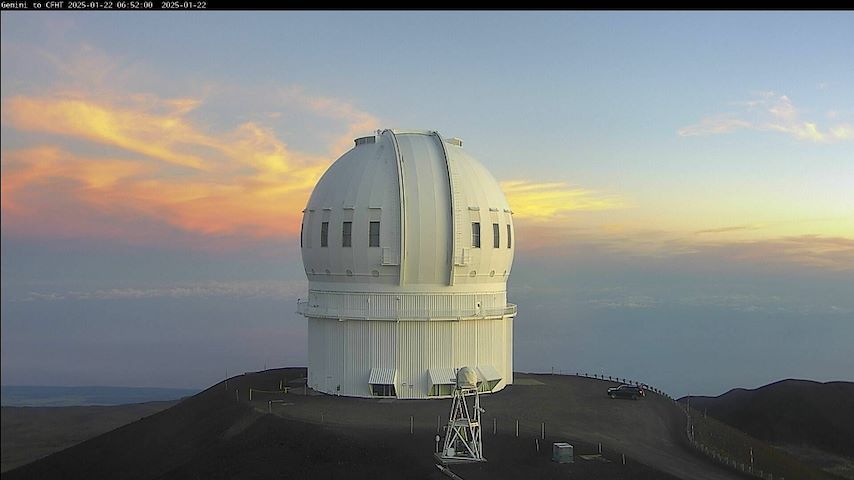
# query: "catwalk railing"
[[323, 311]]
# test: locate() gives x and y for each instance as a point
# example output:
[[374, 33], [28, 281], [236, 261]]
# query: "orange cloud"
[[244, 182], [158, 136], [44, 165], [547, 200]]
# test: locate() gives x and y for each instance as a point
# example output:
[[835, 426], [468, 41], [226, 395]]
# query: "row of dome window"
[[346, 234], [496, 235], [374, 235], [376, 273]]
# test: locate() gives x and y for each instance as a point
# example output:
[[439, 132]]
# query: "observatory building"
[[407, 243]]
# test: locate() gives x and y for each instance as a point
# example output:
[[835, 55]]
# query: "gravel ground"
[[219, 433]]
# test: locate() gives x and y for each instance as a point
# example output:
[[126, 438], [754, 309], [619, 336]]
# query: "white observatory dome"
[[407, 243], [364, 186]]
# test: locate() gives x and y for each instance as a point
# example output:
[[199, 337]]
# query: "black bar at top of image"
[[134, 5], [162, 5], [262, 5]]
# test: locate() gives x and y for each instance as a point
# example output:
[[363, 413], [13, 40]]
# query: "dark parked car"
[[626, 391]]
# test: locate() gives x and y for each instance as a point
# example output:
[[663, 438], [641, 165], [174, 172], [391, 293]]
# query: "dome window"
[[374, 234], [324, 234], [496, 236], [509, 236], [475, 234], [347, 234], [365, 140]]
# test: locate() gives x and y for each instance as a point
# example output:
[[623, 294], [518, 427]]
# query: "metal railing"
[[721, 457], [324, 311]]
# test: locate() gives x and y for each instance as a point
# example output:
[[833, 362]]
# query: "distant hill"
[[30, 433], [789, 412], [48, 396]]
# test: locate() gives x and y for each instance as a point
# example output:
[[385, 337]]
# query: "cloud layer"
[[551, 200], [244, 290], [770, 112], [94, 161], [105, 163], [86, 159], [703, 249]]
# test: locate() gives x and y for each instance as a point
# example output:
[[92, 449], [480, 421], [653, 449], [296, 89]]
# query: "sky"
[[682, 184]]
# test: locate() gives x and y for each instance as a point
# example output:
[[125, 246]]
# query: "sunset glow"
[[662, 168]]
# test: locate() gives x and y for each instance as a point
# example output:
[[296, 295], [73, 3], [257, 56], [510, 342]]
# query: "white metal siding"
[[508, 344], [424, 305], [346, 352]]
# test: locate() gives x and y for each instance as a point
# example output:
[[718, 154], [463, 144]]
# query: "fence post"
[[543, 430], [411, 424], [517, 427], [494, 425]]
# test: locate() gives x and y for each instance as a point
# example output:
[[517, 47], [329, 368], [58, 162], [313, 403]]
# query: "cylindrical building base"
[[407, 359]]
